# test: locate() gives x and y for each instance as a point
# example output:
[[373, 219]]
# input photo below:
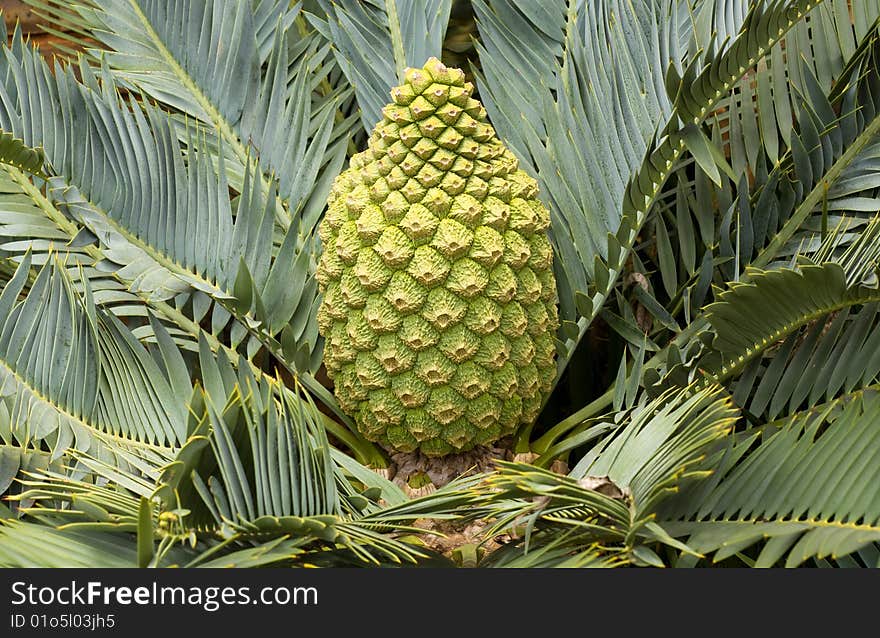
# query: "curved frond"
[[807, 63], [611, 496], [71, 376], [271, 457], [267, 112], [820, 175], [787, 218], [25, 544], [131, 183], [583, 129], [374, 41], [807, 490], [204, 59], [649, 147], [748, 317], [828, 360], [254, 484]]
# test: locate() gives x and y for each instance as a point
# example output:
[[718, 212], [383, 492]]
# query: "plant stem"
[[591, 409]]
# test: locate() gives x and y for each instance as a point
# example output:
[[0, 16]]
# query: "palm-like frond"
[[374, 41], [646, 148], [788, 217], [74, 377], [807, 490], [276, 82], [832, 156], [748, 317], [583, 127], [610, 498], [786, 214], [120, 193], [34, 545], [258, 470], [813, 56], [204, 59], [821, 178], [254, 461], [829, 360]]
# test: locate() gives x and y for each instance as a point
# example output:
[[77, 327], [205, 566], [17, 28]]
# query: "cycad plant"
[[691, 186]]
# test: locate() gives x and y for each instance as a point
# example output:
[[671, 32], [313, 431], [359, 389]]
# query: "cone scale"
[[439, 302]]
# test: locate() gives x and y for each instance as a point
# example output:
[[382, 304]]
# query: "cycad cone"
[[439, 307]]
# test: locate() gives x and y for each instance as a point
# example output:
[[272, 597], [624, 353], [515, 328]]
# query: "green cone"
[[439, 302]]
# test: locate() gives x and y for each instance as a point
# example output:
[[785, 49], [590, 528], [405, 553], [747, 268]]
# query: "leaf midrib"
[[677, 149], [809, 524], [396, 38], [223, 126], [346, 433], [742, 357], [94, 428]]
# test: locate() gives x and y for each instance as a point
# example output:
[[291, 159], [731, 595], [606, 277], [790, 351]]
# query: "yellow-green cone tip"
[[439, 302]]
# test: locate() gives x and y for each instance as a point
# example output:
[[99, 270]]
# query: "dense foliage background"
[[712, 171]]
